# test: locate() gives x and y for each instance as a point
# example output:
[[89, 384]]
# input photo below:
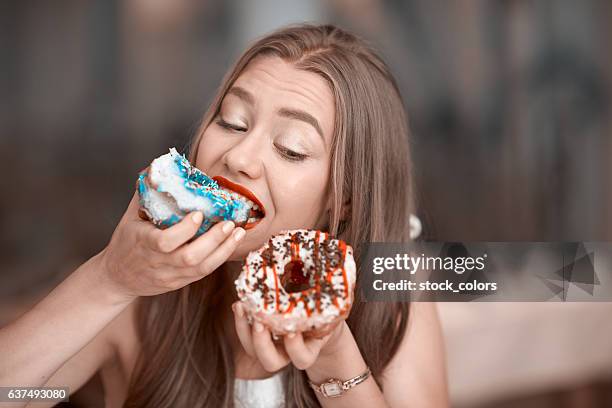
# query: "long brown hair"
[[185, 359]]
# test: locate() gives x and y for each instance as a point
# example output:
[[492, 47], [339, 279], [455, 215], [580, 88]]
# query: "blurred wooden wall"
[[508, 101]]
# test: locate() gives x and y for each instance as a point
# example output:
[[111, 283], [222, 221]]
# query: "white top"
[[265, 393]]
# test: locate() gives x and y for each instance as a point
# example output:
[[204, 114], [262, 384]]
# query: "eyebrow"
[[247, 97], [242, 94]]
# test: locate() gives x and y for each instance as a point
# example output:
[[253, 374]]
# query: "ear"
[[345, 212]]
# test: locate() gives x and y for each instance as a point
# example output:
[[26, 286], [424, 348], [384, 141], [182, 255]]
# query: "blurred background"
[[508, 102]]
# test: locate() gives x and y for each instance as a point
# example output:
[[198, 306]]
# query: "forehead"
[[276, 85]]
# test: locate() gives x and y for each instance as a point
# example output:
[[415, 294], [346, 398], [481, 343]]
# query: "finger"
[[271, 358], [243, 329], [303, 353], [220, 254], [171, 238], [202, 247]]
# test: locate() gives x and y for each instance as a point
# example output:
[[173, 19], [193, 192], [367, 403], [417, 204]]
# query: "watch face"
[[332, 389]]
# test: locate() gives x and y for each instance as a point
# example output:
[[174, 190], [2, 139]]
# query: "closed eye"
[[289, 154], [230, 126]]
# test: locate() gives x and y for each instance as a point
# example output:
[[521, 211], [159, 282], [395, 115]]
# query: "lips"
[[245, 192]]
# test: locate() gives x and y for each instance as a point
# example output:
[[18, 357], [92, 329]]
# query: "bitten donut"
[[300, 280], [170, 188]]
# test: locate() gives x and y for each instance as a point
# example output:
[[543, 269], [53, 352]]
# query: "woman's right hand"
[[143, 260]]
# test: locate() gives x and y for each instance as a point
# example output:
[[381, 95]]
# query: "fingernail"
[[197, 217], [227, 227], [258, 327], [239, 234], [291, 335]]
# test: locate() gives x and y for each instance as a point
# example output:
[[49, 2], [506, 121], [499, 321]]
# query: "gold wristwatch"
[[336, 388]]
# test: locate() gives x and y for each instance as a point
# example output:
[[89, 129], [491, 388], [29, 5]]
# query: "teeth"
[[235, 196], [252, 219]]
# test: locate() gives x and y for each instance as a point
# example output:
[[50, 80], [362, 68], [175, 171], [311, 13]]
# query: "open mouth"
[[243, 194]]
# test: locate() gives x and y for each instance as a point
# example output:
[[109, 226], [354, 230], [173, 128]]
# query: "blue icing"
[[203, 228], [142, 187], [199, 184], [193, 174], [170, 221], [143, 190]]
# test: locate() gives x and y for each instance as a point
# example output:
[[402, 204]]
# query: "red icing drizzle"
[[275, 285], [265, 287], [346, 288], [316, 255]]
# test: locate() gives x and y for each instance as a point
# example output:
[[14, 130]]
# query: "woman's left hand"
[[257, 342]]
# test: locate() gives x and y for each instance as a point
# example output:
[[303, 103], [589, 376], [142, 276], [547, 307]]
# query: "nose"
[[245, 157]]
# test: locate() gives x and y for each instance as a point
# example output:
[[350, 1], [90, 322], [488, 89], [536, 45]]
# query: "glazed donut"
[[170, 188], [299, 281]]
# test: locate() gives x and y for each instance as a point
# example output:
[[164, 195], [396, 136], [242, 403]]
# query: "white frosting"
[[159, 205], [165, 174]]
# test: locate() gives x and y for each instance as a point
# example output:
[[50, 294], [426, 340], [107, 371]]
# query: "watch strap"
[[335, 388]]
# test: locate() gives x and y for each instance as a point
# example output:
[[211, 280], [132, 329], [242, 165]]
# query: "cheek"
[[210, 151], [301, 194]]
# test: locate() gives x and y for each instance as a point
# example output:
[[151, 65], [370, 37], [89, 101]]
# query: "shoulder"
[[417, 372]]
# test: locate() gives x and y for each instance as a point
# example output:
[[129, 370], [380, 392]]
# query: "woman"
[[311, 121]]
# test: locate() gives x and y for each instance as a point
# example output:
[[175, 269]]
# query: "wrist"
[[96, 278], [334, 387], [340, 358]]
